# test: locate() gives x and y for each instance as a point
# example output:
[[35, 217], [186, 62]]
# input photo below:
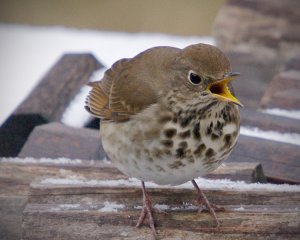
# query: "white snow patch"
[[223, 184], [162, 207], [98, 74], [69, 206], [28, 160], [64, 207], [111, 207], [75, 115], [282, 112], [241, 208], [292, 138]]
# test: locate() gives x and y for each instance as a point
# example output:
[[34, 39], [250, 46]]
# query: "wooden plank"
[[128, 192], [13, 199], [48, 100], [41, 223], [283, 91], [15, 177], [254, 73], [55, 140], [269, 122], [293, 63], [59, 86], [98, 170], [75, 210], [280, 161]]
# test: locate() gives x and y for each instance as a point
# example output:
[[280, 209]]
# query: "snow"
[[27, 53], [292, 138], [111, 207], [282, 112], [164, 207], [223, 184], [31, 160], [75, 115], [65, 207], [241, 208]]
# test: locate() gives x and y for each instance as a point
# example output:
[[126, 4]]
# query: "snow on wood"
[[204, 183], [282, 112]]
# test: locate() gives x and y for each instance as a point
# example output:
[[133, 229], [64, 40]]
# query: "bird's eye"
[[194, 78]]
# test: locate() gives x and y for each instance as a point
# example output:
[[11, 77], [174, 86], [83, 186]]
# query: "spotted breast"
[[173, 141]]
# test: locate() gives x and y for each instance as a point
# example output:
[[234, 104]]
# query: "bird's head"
[[204, 70]]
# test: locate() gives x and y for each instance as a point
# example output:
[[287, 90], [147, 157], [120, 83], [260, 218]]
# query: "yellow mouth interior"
[[220, 90]]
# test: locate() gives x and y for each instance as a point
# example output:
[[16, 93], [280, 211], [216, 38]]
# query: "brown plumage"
[[168, 116]]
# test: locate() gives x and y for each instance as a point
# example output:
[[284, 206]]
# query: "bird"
[[168, 115]]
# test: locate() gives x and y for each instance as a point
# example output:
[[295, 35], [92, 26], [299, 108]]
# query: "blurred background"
[[35, 34], [190, 17]]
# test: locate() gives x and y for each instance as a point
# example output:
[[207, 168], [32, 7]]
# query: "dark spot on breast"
[[215, 136], [150, 159], [176, 164], [209, 153], [228, 140], [183, 145], [167, 143], [171, 132], [171, 102], [167, 151], [180, 153], [185, 121], [185, 134], [174, 120], [226, 116], [219, 125], [208, 130], [196, 131], [207, 107], [198, 151]]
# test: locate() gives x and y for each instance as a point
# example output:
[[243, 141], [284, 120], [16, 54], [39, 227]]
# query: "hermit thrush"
[[168, 116]]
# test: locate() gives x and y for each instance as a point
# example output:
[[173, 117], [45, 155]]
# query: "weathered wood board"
[[93, 211], [17, 174], [47, 101]]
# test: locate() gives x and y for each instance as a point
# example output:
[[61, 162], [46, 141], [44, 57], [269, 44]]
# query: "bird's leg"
[[147, 210], [203, 201]]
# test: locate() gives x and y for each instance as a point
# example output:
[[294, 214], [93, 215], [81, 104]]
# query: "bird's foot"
[[148, 211], [204, 204]]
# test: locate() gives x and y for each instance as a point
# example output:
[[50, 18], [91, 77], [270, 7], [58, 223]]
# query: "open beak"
[[220, 89]]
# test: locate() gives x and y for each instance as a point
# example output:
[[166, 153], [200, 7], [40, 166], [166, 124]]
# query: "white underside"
[[121, 145]]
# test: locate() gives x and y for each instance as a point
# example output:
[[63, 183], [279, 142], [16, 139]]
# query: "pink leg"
[[203, 201], [147, 210]]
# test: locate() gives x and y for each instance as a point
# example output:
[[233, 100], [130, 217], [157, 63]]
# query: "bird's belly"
[[168, 153]]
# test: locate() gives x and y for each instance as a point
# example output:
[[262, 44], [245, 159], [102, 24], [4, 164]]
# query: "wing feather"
[[119, 94]]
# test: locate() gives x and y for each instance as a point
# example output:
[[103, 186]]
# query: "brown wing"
[[121, 93]]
